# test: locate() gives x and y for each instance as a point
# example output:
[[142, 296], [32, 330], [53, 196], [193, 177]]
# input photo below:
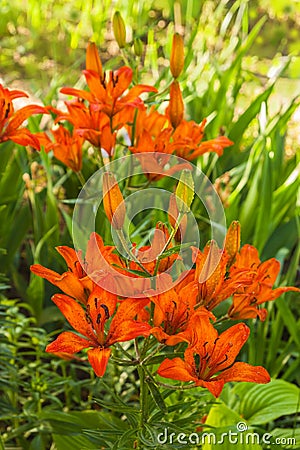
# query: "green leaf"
[[238, 129], [224, 419], [77, 442], [262, 230], [157, 396], [289, 320], [259, 404], [288, 437]]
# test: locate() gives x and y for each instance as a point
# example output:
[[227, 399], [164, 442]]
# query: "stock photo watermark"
[[243, 435]]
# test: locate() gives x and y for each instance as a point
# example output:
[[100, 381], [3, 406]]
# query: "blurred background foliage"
[[242, 72]]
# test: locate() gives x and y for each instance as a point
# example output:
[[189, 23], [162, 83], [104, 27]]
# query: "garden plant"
[[150, 247]]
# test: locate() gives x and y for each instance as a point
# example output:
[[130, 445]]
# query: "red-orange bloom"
[[67, 148], [91, 124], [108, 94], [172, 312], [211, 270], [90, 323], [11, 120], [154, 165], [75, 282], [184, 140], [258, 290], [187, 139], [209, 359]]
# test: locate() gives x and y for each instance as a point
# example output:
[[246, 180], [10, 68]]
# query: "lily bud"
[[93, 61], [173, 214], [119, 29], [176, 105], [113, 201], [138, 47], [177, 55], [185, 191], [233, 241]]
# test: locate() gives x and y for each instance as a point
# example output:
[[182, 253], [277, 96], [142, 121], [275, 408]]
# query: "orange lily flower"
[[11, 120], [259, 290], [172, 312], [67, 148], [90, 323], [187, 139], [184, 140], [209, 359], [210, 273], [109, 94], [153, 165], [75, 282], [151, 121], [91, 124]]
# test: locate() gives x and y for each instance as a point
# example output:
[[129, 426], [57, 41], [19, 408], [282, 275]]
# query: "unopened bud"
[[93, 61], [185, 191], [177, 55], [119, 29], [176, 105], [173, 214], [233, 240], [113, 201], [138, 47]]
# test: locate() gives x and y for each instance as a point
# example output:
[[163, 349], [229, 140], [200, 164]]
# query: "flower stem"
[[143, 397]]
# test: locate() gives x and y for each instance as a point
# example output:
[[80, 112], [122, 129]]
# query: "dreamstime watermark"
[[242, 435], [157, 166]]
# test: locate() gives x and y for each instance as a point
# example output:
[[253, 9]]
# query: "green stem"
[[80, 178], [153, 353], [143, 397]]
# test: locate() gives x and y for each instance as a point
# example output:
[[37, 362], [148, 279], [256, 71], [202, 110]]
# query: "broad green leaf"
[[257, 403], [223, 420], [287, 437], [75, 442], [37, 443]]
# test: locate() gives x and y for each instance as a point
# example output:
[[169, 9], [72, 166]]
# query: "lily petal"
[[241, 371], [68, 342], [98, 358], [176, 369], [74, 314]]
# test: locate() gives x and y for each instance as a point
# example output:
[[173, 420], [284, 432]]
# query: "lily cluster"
[[178, 317], [181, 318], [112, 106]]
